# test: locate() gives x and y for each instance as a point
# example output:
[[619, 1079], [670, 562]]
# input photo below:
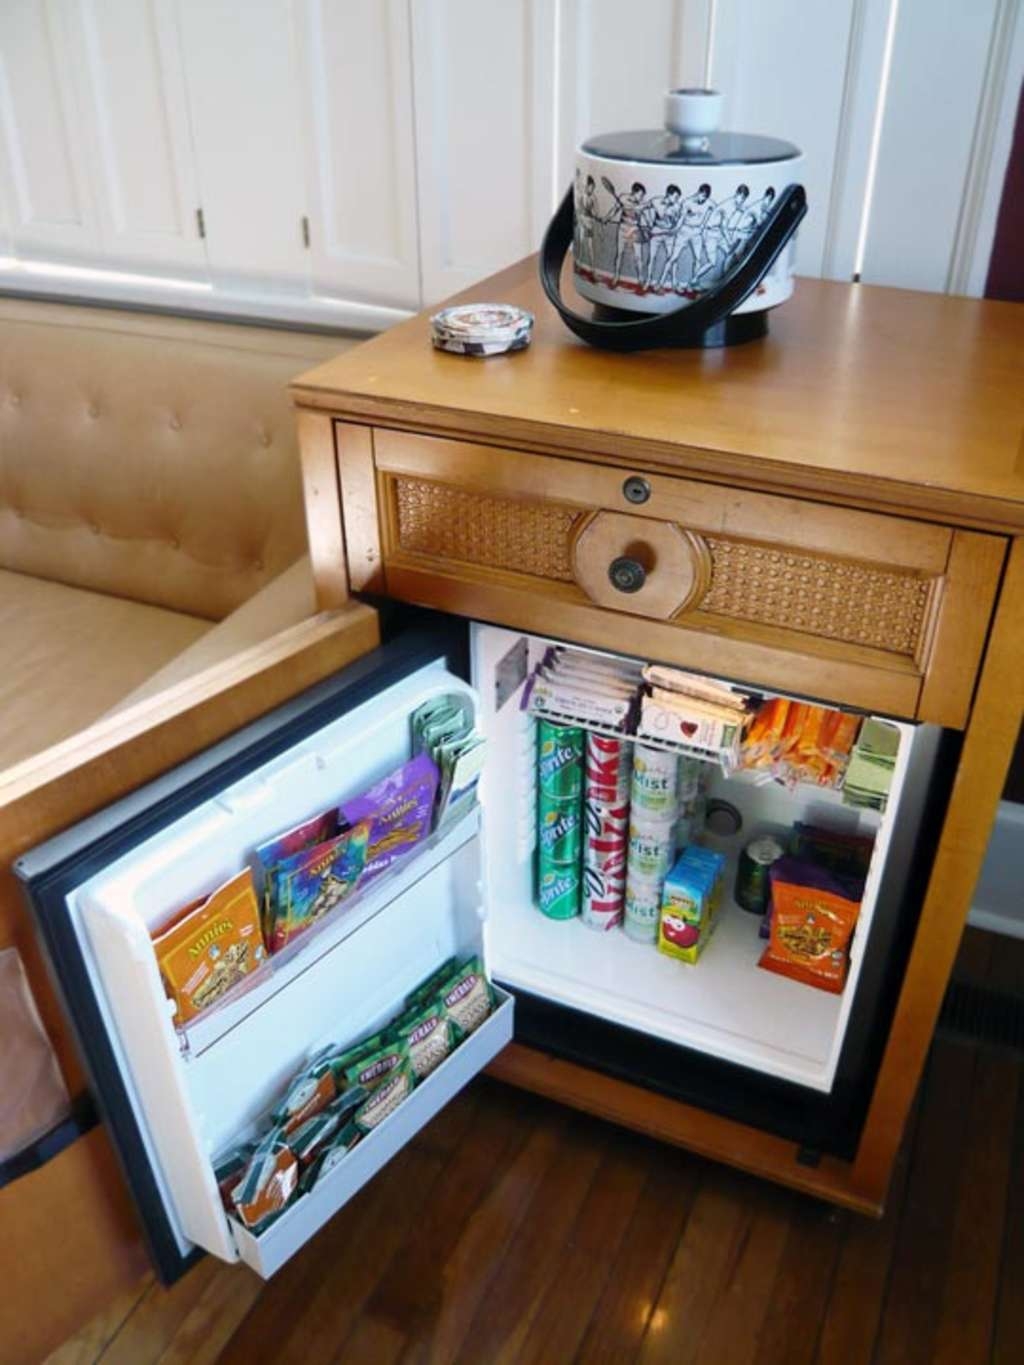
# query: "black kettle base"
[[733, 330]]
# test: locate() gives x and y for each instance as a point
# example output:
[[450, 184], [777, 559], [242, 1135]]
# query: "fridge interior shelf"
[[267, 1252], [324, 936]]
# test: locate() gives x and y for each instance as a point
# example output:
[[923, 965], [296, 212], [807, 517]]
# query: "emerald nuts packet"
[[467, 996], [386, 1098], [429, 1035], [370, 1065]]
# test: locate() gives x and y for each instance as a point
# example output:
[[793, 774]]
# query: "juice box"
[[690, 902]]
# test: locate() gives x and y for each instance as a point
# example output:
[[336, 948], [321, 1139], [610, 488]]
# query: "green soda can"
[[559, 819], [559, 760], [559, 831], [558, 892]]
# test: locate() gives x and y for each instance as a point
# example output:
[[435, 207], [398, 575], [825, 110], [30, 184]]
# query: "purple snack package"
[[400, 808]]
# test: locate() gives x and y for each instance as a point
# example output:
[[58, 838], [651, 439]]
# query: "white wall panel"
[[852, 178], [939, 60], [355, 81], [781, 67], [971, 268], [130, 87], [616, 65], [244, 99], [41, 159], [485, 122]]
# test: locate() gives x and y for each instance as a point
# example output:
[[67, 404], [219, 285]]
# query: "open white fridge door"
[[177, 1098]]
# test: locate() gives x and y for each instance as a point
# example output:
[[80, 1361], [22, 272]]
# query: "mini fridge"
[[721, 1033]]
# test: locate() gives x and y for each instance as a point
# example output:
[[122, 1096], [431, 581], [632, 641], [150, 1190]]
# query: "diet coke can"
[[605, 846], [609, 763]]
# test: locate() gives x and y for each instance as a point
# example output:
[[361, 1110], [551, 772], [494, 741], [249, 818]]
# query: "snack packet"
[[332, 1155], [813, 915], [437, 721], [209, 946], [431, 985], [371, 1063], [265, 858], [845, 855], [386, 1098], [429, 1035], [467, 996], [311, 1136], [461, 762], [399, 810], [310, 1090], [229, 1169], [309, 884], [270, 1180]]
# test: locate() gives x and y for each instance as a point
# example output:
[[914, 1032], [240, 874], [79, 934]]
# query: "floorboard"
[[513, 1230]]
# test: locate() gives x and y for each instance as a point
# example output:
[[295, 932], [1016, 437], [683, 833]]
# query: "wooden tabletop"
[[884, 397]]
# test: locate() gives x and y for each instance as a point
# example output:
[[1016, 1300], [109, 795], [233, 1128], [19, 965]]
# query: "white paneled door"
[[245, 102], [939, 69], [355, 84], [44, 178], [124, 68], [485, 87]]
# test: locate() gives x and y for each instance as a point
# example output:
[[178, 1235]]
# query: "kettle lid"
[[691, 138]]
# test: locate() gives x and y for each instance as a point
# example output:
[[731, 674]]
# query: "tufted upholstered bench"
[[151, 514]]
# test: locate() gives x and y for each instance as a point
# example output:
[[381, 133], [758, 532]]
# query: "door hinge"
[[200, 223], [305, 231]]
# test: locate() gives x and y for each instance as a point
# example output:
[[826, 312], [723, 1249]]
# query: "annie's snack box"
[[209, 946], [690, 903]]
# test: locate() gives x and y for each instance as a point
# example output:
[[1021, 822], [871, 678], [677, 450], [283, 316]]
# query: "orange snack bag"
[[763, 734], [812, 921], [210, 945]]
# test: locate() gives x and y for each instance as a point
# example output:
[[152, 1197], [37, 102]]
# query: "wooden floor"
[[514, 1230]]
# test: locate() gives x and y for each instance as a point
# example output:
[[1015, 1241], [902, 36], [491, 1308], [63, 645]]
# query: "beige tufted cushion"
[[149, 457]]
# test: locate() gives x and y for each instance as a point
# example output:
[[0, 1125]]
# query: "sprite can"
[[558, 892], [559, 819], [559, 760], [559, 830]]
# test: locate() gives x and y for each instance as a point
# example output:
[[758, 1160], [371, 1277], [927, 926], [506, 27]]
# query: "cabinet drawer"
[[878, 611]]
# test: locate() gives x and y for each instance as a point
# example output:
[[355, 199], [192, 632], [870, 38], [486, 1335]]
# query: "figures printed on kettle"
[[663, 243]]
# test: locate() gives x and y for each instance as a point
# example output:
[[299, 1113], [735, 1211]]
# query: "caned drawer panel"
[[876, 610]]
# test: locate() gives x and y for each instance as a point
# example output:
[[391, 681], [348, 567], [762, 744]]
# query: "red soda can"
[[605, 849], [608, 765]]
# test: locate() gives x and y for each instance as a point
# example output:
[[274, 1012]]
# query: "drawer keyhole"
[[635, 489]]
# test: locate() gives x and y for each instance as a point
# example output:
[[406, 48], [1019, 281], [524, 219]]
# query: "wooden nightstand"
[[835, 510]]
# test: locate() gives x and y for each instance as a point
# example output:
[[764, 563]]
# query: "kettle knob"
[[692, 115]]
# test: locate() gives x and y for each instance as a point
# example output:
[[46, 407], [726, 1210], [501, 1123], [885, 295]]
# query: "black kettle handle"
[[685, 325]]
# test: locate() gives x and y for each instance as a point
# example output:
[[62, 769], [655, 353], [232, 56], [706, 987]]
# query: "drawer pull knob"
[[626, 574], [635, 489]]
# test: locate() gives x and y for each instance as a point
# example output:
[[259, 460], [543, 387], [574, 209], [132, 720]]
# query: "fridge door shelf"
[[268, 1251], [324, 935]]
